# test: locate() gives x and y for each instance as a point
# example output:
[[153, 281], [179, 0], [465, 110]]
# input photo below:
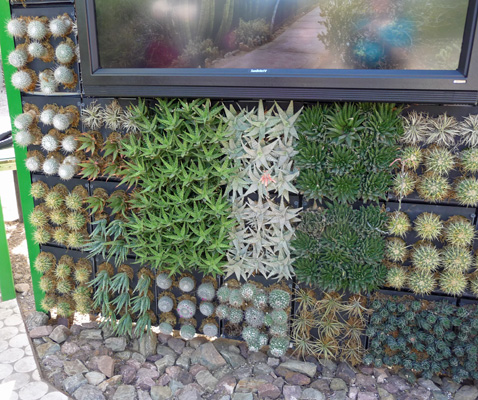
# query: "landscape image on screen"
[[281, 34]]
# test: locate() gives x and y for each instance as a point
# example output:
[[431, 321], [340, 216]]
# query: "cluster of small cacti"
[[427, 338], [250, 308], [446, 268], [60, 217], [330, 328], [436, 161], [112, 116], [65, 283], [261, 146], [35, 33]]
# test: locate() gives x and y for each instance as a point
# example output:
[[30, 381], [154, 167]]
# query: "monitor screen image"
[[281, 34]]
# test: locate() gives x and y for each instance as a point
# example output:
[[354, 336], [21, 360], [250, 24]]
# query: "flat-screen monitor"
[[369, 50]]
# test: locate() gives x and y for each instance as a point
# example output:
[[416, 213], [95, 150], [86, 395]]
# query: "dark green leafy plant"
[[339, 248]]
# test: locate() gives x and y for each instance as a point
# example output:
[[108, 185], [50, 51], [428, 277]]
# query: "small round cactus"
[[474, 284], [51, 166], [62, 121], [428, 226], [64, 267], [399, 224], [18, 58], [421, 282], [187, 332], [42, 236], [260, 299], [235, 298], [396, 249], [250, 334], [165, 328], [74, 200], [459, 231], [24, 138], [34, 163], [404, 183], [44, 262], [186, 284], [54, 200], [67, 171], [37, 30], [76, 221], [17, 28], [210, 330], [248, 290], [39, 217], [37, 50], [222, 311], [254, 317], [61, 26], [163, 281], [83, 271], [47, 115], [279, 317], [69, 144], [48, 83], [49, 143], [64, 308], [439, 160], [58, 216], [64, 53], [279, 299], [165, 304], [23, 80], [39, 190], [206, 291], [469, 160], [64, 75], [433, 188], [466, 192], [223, 294], [49, 302], [453, 283], [76, 240], [279, 330], [23, 121], [60, 236], [235, 315], [426, 257], [47, 283], [278, 346], [396, 277], [206, 308], [72, 160], [186, 309], [456, 258], [412, 157]]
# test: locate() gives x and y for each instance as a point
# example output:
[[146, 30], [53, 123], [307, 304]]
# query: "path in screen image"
[[295, 48]]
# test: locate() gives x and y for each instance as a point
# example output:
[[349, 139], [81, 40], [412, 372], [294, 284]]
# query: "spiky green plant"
[[235, 315], [64, 286], [398, 224], [346, 124], [49, 302], [74, 201], [223, 294], [55, 198], [58, 216], [76, 221], [469, 160], [39, 190], [474, 284], [64, 267], [428, 226], [260, 299], [44, 262], [439, 160], [456, 258], [426, 257], [433, 188], [60, 235], [404, 183], [396, 277], [466, 192], [76, 239], [411, 157], [83, 271], [64, 307], [443, 130], [47, 283], [459, 231], [453, 282], [469, 131], [416, 128], [345, 189], [396, 249], [42, 235], [248, 291], [39, 216], [421, 281], [279, 299]]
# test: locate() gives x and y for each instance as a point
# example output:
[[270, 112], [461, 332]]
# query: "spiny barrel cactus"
[[404, 183], [279, 299], [39, 190], [396, 249], [459, 231], [18, 58], [76, 240], [235, 315], [279, 330], [248, 290], [46, 116], [24, 80], [235, 298], [76, 220], [456, 258], [411, 157], [397, 277], [398, 224], [55, 199], [51, 166], [222, 311], [37, 29], [433, 188], [37, 50], [61, 26], [39, 216], [439, 160], [223, 294], [428, 226], [60, 235], [453, 282], [83, 270], [74, 200], [64, 53], [58, 216], [45, 262], [17, 27], [64, 267], [469, 160], [466, 192], [426, 257], [421, 282], [260, 300], [42, 235], [67, 171]]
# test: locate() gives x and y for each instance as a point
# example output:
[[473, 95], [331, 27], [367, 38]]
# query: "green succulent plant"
[[411, 157], [416, 128], [459, 231], [453, 282], [443, 130], [466, 192], [426, 257], [404, 183], [44, 262], [433, 188], [39, 190], [396, 249], [39, 216], [469, 160], [421, 281], [399, 224], [428, 226], [469, 131], [397, 277], [456, 258], [439, 160]]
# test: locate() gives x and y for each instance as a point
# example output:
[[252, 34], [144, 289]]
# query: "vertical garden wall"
[[344, 231]]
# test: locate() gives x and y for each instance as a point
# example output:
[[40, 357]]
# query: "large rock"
[[47, 349], [60, 334], [41, 331], [95, 378], [235, 360], [207, 355], [160, 393], [312, 394], [72, 383], [428, 384], [268, 390], [128, 373], [177, 344], [70, 348], [148, 343], [116, 344], [226, 385], [248, 385], [91, 334], [36, 319], [337, 384], [292, 392], [467, 393], [74, 367], [303, 367], [366, 382], [189, 392], [345, 372], [106, 365], [206, 380], [88, 392], [145, 378], [125, 392], [163, 363]]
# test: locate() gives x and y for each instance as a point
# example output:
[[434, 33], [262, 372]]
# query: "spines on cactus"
[[396, 249], [426, 257], [453, 282], [466, 192], [421, 281], [399, 224], [428, 226], [459, 231]]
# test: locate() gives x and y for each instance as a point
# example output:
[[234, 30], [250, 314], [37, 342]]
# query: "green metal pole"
[[7, 287], [24, 178]]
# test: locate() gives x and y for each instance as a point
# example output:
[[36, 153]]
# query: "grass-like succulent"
[[459, 231], [469, 160], [469, 131], [404, 183], [428, 226], [453, 282], [426, 257], [398, 224], [466, 192], [421, 281], [416, 127], [439, 160], [396, 249], [396, 276], [456, 258], [443, 130], [411, 157], [433, 188], [39, 190], [44, 262]]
